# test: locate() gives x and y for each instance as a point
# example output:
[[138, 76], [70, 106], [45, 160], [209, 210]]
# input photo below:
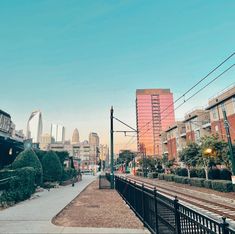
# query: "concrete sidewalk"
[[35, 215]]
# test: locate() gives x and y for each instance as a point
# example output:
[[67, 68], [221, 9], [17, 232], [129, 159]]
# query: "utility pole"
[[226, 126], [111, 148]]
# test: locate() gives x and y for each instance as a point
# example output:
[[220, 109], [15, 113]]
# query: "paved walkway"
[[35, 215]]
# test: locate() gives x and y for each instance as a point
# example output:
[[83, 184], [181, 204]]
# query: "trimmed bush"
[[6, 174], [181, 179], [193, 173], [214, 174], [207, 184], [52, 169], [181, 171], [62, 156], [28, 158], [225, 174], [200, 173], [152, 175], [198, 182], [160, 176], [169, 177], [20, 187], [222, 185], [40, 154], [69, 173]]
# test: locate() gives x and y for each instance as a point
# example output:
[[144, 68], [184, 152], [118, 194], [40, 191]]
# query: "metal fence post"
[[177, 216], [155, 209], [143, 204], [224, 226]]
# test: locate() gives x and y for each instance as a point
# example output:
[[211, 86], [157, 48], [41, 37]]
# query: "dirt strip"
[[98, 208]]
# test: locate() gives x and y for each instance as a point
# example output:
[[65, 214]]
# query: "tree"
[[149, 163], [62, 155], [217, 154], [40, 154], [189, 156], [28, 158], [125, 156], [52, 169], [167, 163]]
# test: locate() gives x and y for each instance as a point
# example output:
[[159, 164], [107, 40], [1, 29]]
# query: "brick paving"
[[96, 207]]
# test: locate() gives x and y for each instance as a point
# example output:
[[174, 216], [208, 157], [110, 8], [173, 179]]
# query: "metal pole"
[[111, 148], [226, 126]]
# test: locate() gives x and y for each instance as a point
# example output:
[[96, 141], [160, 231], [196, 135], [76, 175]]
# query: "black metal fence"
[[104, 181], [162, 215]]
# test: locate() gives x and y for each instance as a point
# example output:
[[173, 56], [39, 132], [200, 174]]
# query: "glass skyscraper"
[[58, 132], [154, 113], [34, 127]]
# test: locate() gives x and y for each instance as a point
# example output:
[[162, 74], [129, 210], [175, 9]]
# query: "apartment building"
[[223, 101], [197, 124], [174, 140]]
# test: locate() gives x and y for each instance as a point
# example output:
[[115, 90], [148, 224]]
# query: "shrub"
[[181, 171], [52, 169], [200, 173], [198, 182], [62, 156], [181, 179], [68, 173], [222, 185], [169, 177], [152, 175], [207, 184], [6, 173], [20, 187], [214, 174], [40, 154], [160, 176], [225, 174], [28, 158], [193, 173]]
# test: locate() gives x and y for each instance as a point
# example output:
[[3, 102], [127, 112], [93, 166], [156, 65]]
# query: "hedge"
[[222, 185], [52, 169], [6, 173], [69, 173], [225, 174], [152, 175], [181, 179], [160, 176], [181, 171], [28, 158], [198, 182], [214, 174], [207, 184], [169, 177], [20, 186]]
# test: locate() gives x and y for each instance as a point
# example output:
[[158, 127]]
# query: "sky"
[[74, 59]]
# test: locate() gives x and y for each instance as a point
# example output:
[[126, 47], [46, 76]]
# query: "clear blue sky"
[[73, 59]]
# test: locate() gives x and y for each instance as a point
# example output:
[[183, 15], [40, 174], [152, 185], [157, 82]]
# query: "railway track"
[[213, 208]]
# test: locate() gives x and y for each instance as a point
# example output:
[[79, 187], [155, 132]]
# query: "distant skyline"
[[74, 59]]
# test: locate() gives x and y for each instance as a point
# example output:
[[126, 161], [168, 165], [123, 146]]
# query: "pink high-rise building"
[[154, 113]]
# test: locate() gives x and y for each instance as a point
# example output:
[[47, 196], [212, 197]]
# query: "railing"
[[162, 215]]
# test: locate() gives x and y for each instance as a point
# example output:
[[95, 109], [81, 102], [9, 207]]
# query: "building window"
[[214, 113]]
